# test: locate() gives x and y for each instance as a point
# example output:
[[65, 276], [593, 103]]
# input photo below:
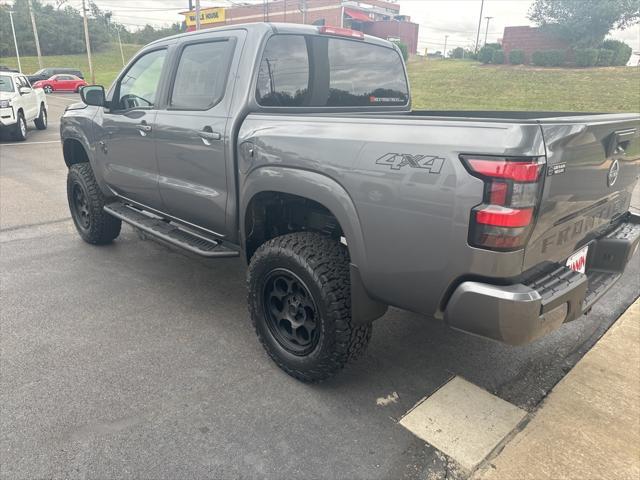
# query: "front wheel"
[[20, 132], [86, 202], [300, 305], [47, 89]]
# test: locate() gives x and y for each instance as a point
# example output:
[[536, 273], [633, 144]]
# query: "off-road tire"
[[20, 130], [323, 265], [100, 227], [41, 121]]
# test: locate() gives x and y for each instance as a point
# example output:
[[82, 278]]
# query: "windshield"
[[6, 83], [40, 72]]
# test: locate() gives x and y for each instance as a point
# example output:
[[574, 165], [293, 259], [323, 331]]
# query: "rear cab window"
[[319, 71]]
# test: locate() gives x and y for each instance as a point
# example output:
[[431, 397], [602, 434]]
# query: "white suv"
[[19, 104]]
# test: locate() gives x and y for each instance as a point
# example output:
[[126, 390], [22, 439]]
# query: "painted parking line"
[[22, 144], [463, 421]]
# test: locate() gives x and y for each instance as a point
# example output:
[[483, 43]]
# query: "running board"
[[164, 230]]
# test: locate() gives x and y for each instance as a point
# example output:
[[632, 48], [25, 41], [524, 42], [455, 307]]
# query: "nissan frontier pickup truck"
[[295, 148]]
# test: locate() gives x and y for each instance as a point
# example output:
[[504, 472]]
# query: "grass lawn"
[[453, 84], [466, 85], [106, 64]]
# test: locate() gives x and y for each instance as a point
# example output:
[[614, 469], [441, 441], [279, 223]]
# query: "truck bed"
[[416, 220]]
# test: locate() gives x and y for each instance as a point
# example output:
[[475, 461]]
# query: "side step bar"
[[157, 227]]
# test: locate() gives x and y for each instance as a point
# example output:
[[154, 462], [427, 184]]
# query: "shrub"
[[403, 49], [622, 52], [554, 58], [586, 57], [498, 57], [517, 57], [537, 58], [605, 57], [485, 55], [548, 58]]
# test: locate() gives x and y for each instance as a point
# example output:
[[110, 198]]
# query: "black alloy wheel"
[[290, 311], [80, 206]]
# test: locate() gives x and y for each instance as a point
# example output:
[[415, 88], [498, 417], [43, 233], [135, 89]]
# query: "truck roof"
[[11, 73], [267, 27]]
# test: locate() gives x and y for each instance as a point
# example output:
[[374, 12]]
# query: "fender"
[[334, 197], [72, 128]]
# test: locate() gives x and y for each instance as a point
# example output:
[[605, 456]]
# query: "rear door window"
[[320, 71], [201, 75], [283, 78]]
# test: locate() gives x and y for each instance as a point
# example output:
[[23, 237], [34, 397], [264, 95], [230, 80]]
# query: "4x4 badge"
[[398, 160]]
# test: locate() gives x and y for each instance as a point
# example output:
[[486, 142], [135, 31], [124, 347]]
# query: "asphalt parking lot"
[[137, 361]]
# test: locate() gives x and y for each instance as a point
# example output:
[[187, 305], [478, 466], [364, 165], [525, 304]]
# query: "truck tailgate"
[[593, 164]]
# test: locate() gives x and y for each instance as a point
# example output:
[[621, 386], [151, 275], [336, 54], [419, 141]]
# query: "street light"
[[486, 32], [15, 41]]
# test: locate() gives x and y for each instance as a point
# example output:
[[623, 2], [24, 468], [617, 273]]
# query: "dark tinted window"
[[283, 79], [201, 75], [359, 74]]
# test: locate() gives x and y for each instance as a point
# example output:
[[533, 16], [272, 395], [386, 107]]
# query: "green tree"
[[457, 52], [584, 23]]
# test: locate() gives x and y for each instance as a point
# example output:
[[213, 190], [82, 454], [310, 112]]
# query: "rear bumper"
[[521, 313]]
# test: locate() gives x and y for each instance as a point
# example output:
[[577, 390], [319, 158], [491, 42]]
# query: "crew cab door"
[[191, 132], [125, 143]]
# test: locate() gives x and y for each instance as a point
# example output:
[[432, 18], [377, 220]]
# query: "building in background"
[[531, 39], [379, 18]]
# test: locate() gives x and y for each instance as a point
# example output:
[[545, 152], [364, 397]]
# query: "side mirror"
[[24, 90], [93, 95]]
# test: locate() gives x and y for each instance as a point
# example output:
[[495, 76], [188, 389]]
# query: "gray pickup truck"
[[295, 148]]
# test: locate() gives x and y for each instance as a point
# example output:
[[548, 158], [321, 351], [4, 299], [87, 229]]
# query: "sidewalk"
[[589, 425]]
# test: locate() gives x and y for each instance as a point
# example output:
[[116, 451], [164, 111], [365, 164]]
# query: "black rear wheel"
[[86, 202], [300, 305]]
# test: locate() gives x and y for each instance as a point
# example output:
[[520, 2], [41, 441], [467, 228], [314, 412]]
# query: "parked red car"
[[61, 83]]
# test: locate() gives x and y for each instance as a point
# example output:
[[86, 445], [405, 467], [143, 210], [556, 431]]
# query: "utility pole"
[[86, 38], [446, 37], [486, 32], [121, 51], [479, 25], [197, 14], [35, 32], [303, 9], [15, 41]]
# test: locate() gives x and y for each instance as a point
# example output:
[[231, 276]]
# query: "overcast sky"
[[437, 18]]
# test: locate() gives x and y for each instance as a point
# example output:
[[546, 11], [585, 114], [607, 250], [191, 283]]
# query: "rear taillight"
[[512, 187]]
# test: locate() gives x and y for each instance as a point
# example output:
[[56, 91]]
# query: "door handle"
[[207, 135], [144, 129]]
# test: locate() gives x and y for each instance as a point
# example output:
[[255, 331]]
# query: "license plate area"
[[578, 260]]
